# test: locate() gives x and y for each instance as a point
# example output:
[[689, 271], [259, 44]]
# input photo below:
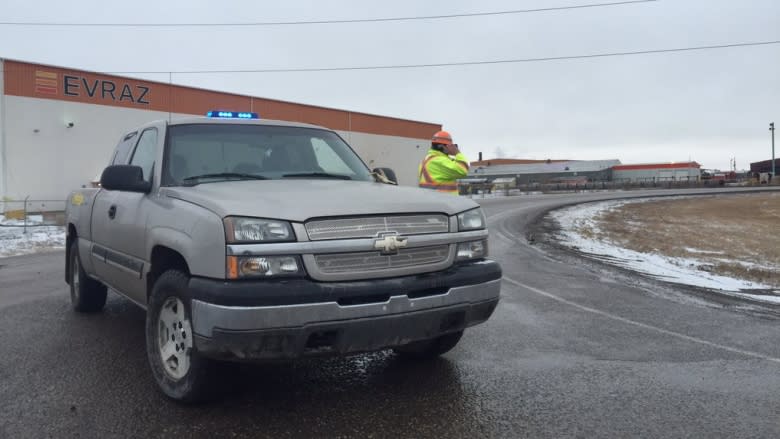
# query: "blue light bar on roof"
[[232, 114]]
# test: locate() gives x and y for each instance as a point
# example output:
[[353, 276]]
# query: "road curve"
[[574, 349]]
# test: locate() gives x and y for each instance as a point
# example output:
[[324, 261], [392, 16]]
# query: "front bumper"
[[356, 320]]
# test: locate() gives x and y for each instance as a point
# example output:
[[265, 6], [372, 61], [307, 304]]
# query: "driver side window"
[[146, 152], [124, 148]]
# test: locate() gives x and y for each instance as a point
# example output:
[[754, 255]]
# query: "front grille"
[[374, 261], [369, 227]]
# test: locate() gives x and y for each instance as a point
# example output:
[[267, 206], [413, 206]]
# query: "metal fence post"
[[25, 213]]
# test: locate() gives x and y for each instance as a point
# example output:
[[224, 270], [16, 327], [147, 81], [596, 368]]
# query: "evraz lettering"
[[71, 83], [105, 89], [90, 91], [126, 94], [109, 87], [145, 90]]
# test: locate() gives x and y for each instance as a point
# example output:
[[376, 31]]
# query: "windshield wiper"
[[193, 179], [319, 174]]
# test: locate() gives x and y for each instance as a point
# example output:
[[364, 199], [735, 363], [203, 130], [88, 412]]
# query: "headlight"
[[244, 230], [473, 219], [242, 267], [472, 250]]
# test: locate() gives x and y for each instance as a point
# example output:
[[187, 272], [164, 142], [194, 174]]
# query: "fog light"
[[472, 250], [288, 265]]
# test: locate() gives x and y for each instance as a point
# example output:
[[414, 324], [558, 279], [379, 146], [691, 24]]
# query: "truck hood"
[[299, 200]]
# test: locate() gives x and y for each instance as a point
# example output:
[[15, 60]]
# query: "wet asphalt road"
[[574, 350]]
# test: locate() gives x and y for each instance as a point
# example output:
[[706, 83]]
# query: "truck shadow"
[[338, 392]]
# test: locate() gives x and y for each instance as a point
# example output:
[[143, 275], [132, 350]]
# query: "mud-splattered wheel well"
[[70, 239], [163, 259]]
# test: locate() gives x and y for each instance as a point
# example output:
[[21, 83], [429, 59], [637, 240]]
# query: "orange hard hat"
[[442, 137]]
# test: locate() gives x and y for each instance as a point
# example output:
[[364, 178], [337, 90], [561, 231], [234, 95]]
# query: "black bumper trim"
[[342, 337], [302, 291]]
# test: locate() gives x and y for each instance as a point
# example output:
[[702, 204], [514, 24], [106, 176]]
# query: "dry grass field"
[[735, 235]]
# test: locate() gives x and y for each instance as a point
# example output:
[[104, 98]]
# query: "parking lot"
[[574, 349]]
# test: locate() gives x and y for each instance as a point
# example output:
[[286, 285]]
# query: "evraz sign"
[[105, 89]]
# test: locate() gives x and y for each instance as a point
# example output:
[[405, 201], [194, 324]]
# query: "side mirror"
[[387, 173], [126, 178]]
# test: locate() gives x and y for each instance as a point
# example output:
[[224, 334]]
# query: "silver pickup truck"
[[252, 240]]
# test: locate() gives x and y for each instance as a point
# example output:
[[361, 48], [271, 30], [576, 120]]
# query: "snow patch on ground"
[[703, 252], [14, 241], [689, 271], [31, 220], [499, 193]]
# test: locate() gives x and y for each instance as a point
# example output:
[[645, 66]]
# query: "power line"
[[464, 63], [344, 21], [447, 64]]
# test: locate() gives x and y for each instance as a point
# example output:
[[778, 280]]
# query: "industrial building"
[[648, 172], [58, 126], [519, 172], [544, 171], [765, 166]]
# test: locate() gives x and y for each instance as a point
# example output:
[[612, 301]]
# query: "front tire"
[[179, 371], [86, 294], [428, 349]]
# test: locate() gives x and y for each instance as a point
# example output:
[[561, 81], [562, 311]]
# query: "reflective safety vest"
[[439, 172]]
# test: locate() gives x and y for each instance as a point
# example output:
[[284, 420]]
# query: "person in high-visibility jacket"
[[443, 165]]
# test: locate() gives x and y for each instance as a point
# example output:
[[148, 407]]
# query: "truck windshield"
[[202, 153]]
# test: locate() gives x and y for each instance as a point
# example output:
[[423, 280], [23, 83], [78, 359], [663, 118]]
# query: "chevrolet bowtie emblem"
[[389, 244]]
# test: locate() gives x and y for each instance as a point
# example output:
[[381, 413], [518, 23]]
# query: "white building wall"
[[403, 155], [45, 159], [662, 174]]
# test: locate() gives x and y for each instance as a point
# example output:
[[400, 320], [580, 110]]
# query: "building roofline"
[[668, 165], [124, 76]]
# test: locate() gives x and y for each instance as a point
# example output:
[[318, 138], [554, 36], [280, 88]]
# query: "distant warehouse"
[[544, 171], [685, 171], [58, 126], [764, 166], [525, 172]]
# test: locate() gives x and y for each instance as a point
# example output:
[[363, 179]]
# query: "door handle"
[[112, 211]]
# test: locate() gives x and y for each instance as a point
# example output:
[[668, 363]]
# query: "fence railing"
[[521, 189], [28, 213]]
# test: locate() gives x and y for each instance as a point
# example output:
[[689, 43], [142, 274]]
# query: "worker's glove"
[[380, 177]]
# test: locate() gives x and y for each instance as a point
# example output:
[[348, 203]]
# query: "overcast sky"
[[708, 106]]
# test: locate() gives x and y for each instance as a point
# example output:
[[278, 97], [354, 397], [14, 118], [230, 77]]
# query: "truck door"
[[100, 225], [119, 226]]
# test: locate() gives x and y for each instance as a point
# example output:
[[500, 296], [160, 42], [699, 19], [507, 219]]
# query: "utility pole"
[[772, 129]]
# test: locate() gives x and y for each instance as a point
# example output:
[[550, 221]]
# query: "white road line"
[[639, 324]]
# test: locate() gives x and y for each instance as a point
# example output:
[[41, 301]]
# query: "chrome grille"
[[369, 227], [374, 261]]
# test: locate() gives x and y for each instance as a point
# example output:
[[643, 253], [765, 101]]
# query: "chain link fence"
[[483, 189], [29, 213]]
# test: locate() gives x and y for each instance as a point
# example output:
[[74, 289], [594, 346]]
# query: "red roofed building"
[[59, 126]]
